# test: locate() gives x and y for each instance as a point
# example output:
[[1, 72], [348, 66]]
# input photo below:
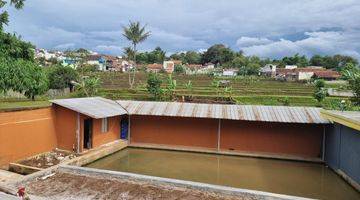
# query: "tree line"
[[221, 55]]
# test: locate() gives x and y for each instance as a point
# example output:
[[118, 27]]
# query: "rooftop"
[[220, 111], [347, 118], [95, 107]]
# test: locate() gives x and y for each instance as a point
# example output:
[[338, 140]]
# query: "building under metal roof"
[[219, 111], [95, 107]]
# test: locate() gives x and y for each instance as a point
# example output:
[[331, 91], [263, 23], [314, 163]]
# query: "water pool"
[[284, 177]]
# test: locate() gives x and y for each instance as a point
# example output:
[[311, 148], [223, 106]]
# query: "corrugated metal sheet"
[[95, 107], [233, 112], [351, 115]]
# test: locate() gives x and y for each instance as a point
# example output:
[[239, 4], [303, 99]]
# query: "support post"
[[129, 130], [218, 135], [78, 133], [323, 144]]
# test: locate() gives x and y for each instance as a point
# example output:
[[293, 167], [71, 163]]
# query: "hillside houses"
[[268, 70], [306, 73], [154, 68], [98, 60], [294, 73], [199, 69]]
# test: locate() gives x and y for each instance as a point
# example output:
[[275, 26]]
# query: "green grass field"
[[21, 104]]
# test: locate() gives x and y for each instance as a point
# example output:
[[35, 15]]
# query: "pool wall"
[[298, 140], [343, 152]]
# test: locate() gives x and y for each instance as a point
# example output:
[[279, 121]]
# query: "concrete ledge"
[[88, 157], [226, 152], [158, 181], [97, 153], [23, 169]]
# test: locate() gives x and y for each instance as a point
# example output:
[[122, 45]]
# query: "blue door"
[[124, 128]]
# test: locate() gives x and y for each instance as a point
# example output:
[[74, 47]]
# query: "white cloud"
[[324, 43], [109, 48], [65, 46], [250, 41]]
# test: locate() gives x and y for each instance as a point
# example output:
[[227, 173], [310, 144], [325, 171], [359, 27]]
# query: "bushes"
[[320, 91], [61, 77], [154, 86], [22, 76], [179, 69], [88, 86]]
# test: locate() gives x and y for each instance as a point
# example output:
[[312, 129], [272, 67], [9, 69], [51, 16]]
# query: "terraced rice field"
[[256, 90]]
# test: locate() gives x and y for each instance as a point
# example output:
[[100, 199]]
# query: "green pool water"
[[277, 176]]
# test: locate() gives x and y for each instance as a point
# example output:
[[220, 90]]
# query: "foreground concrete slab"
[[161, 182]]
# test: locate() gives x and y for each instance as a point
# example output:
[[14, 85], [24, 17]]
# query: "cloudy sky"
[[267, 28]]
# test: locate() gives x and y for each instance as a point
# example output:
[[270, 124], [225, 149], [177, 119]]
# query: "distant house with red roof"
[[155, 67], [327, 75], [199, 69]]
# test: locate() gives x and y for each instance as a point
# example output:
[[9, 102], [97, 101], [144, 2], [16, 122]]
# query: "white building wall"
[[305, 75]]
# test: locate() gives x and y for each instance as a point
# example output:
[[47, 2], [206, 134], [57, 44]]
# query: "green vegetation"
[[12, 47], [353, 76], [218, 54], [4, 15], [88, 86], [154, 86], [155, 56], [190, 57], [61, 77], [22, 104], [320, 92], [22, 76], [171, 88], [136, 34]]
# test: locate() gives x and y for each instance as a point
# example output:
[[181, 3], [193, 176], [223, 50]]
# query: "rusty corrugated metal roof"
[[95, 107], [233, 112]]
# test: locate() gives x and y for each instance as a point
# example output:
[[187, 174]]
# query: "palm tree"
[[136, 34]]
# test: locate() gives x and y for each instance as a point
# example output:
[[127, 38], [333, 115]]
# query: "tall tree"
[[296, 59], [4, 16], [12, 47], [218, 54], [136, 34]]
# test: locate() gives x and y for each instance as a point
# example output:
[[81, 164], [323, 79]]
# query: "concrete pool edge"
[[174, 182]]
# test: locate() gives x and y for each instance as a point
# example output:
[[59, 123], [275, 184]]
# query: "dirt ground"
[[70, 186], [48, 159]]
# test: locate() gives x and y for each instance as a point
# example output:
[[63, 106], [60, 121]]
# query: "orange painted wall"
[[66, 124], [174, 131], [113, 133], [280, 138], [256, 137], [26, 133], [65, 127]]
